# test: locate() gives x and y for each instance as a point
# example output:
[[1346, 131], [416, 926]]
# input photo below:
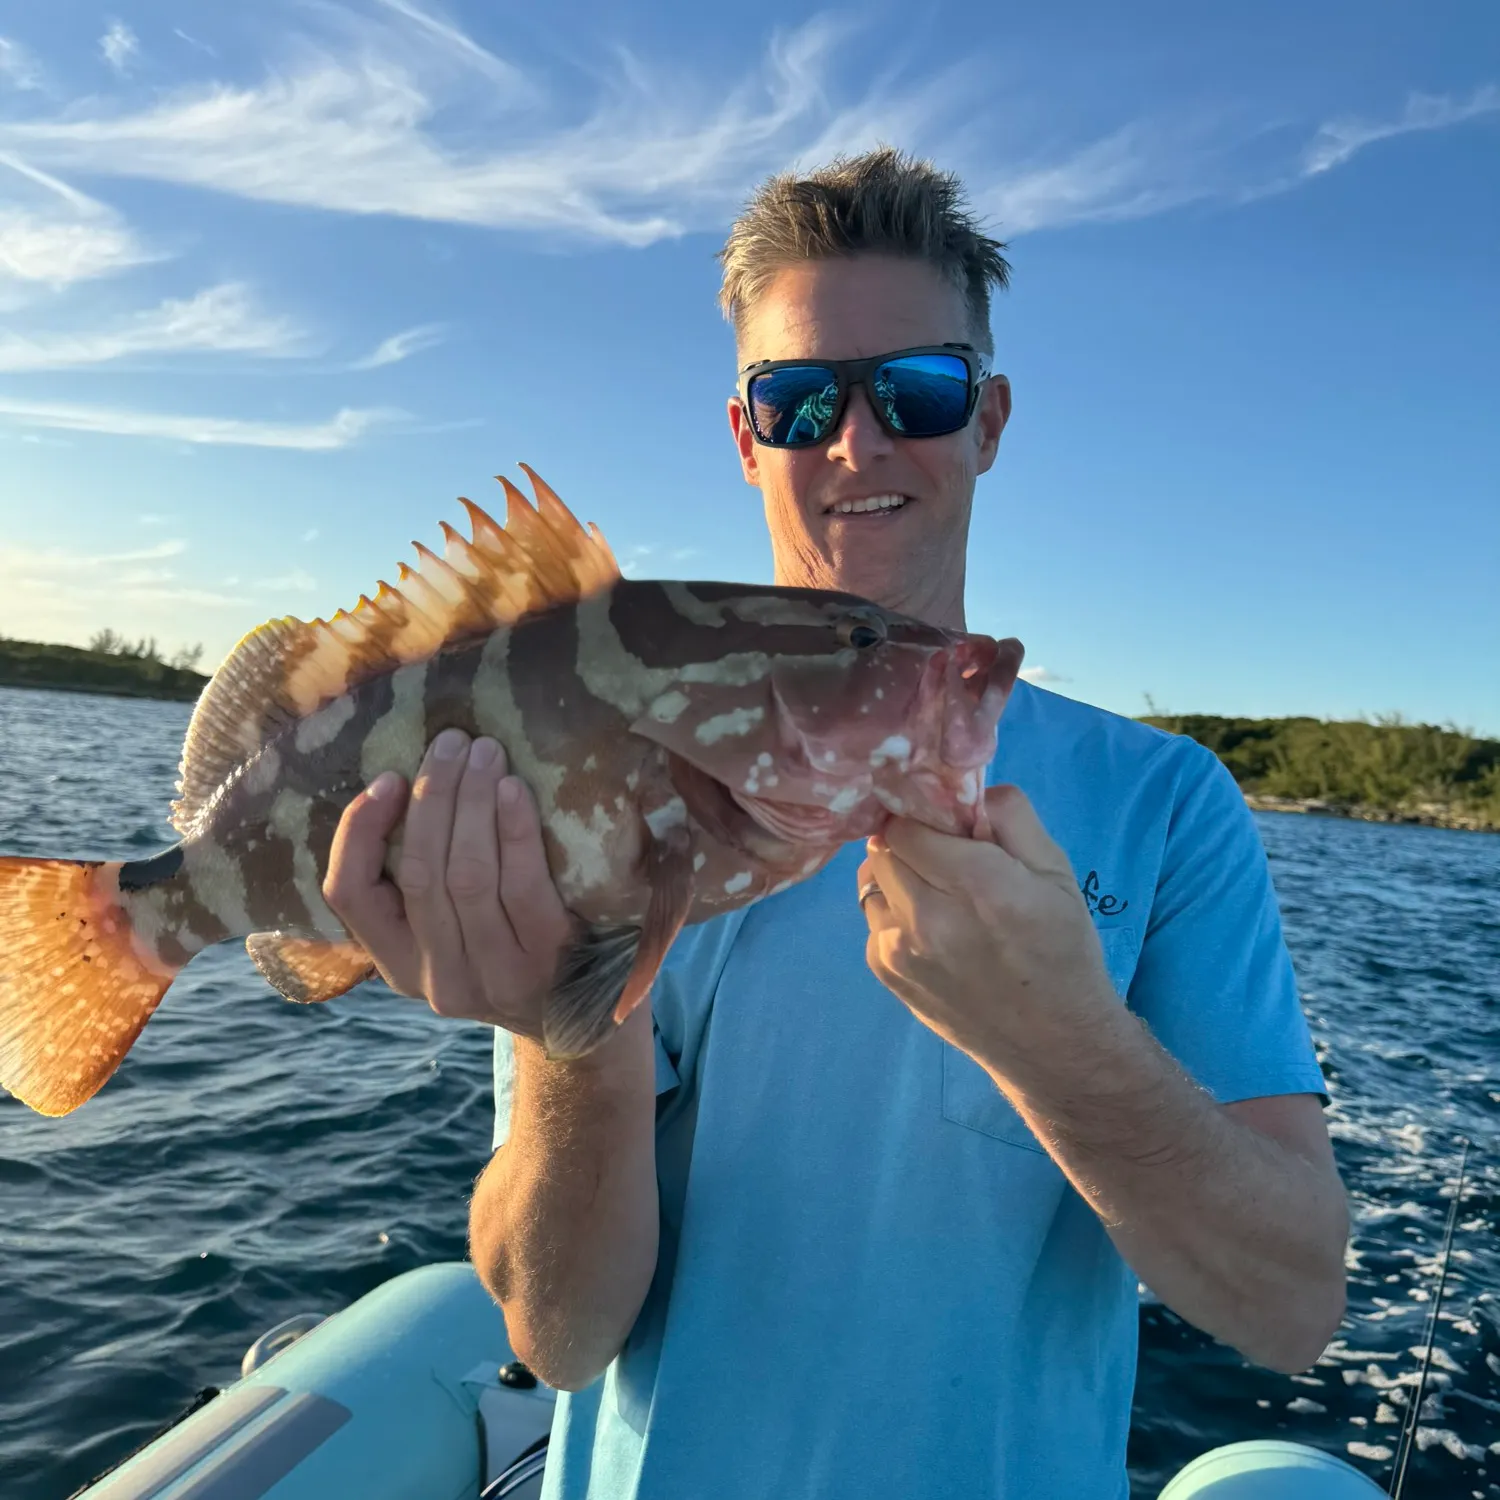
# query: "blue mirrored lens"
[[924, 395], [794, 404]]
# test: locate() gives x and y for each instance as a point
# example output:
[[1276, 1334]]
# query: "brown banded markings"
[[322, 727], [217, 882], [290, 819], [395, 740]]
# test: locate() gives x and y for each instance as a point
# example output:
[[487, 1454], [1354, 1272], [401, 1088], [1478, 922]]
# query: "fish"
[[692, 747]]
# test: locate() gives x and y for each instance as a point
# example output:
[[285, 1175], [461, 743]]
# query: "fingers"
[[422, 870], [357, 890], [531, 900], [473, 871]]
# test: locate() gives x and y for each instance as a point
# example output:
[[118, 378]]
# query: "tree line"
[[1385, 763]]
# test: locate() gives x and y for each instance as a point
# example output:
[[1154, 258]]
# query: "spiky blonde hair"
[[882, 202]]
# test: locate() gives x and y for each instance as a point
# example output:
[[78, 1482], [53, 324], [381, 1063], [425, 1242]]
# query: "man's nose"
[[860, 438]]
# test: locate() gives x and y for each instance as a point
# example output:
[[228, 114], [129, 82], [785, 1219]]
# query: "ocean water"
[[254, 1159]]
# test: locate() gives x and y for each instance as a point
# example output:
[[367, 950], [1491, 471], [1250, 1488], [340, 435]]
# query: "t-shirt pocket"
[[971, 1097]]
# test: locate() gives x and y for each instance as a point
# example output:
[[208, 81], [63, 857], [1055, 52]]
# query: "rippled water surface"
[[253, 1159]]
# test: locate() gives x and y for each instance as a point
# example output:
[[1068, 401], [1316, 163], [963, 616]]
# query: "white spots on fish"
[[290, 814], [661, 820], [699, 860], [218, 883], [398, 737], [895, 747], [969, 789], [322, 728], [585, 846], [811, 864], [591, 762], [737, 883], [737, 721], [668, 708], [261, 772], [880, 692], [761, 773], [846, 799], [738, 669]]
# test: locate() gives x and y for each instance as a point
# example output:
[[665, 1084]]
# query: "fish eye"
[[862, 631]]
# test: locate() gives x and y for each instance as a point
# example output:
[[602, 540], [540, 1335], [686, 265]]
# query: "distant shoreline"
[[1429, 817], [72, 669]]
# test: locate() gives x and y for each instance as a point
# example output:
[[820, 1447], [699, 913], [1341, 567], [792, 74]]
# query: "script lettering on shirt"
[[1100, 905]]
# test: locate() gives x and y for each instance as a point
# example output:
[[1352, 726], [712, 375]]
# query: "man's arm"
[[1234, 1214], [563, 1221]]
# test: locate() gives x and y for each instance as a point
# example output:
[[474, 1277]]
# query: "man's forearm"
[[1237, 1232], [563, 1223]]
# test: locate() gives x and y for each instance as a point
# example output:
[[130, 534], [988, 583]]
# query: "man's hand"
[[989, 944], [473, 923], [1233, 1214]]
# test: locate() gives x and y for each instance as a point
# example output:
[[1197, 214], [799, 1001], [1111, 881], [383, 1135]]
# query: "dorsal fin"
[[287, 669]]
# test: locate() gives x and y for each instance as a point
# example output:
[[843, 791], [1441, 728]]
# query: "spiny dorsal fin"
[[287, 669]]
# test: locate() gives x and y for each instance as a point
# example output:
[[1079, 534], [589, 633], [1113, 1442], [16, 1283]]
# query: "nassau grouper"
[[691, 746]]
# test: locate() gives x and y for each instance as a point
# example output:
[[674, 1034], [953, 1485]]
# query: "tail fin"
[[74, 991]]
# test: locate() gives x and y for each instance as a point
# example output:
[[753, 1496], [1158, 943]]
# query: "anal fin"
[[308, 969], [610, 970]]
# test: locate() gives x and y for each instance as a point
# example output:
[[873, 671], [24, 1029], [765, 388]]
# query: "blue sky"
[[278, 282]]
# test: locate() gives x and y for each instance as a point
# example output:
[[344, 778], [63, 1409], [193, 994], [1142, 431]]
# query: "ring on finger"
[[868, 888]]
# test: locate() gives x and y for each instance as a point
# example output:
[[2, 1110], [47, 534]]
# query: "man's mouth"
[[867, 506]]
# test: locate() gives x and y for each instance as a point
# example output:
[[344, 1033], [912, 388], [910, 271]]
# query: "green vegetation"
[[111, 664], [1385, 769]]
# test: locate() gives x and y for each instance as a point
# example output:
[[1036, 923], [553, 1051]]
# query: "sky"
[[279, 282]]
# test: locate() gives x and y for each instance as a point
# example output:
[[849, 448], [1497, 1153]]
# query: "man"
[[809, 1225]]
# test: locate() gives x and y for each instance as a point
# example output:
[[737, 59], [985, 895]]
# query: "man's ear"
[[744, 440], [990, 419]]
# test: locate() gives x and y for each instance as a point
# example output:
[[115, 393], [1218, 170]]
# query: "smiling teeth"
[[875, 502]]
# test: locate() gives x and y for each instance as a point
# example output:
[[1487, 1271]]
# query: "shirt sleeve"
[[1214, 980], [505, 1079]]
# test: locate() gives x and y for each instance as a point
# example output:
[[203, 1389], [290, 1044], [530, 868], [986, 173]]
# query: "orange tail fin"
[[74, 990]]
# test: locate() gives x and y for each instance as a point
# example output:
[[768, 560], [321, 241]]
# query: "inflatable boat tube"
[[413, 1391], [1269, 1469]]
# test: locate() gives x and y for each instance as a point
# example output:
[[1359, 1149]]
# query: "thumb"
[[1015, 826]]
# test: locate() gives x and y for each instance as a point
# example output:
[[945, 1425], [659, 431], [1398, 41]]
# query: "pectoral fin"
[[610, 970], [306, 969]]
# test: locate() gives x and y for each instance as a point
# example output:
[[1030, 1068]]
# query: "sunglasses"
[[915, 393]]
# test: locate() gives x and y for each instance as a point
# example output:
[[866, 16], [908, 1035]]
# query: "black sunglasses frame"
[[848, 373]]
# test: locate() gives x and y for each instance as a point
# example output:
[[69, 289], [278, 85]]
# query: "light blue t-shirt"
[[872, 1280]]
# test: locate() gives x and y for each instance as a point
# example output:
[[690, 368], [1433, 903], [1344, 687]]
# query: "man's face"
[[910, 558]]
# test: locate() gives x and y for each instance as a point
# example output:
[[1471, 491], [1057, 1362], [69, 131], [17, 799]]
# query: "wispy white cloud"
[[194, 43], [463, 47], [401, 346], [222, 319], [57, 590], [120, 46], [295, 582], [1042, 675], [346, 427], [361, 129], [18, 68], [1338, 140], [54, 235]]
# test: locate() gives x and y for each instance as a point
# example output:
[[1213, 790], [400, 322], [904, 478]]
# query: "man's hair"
[[882, 202]]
